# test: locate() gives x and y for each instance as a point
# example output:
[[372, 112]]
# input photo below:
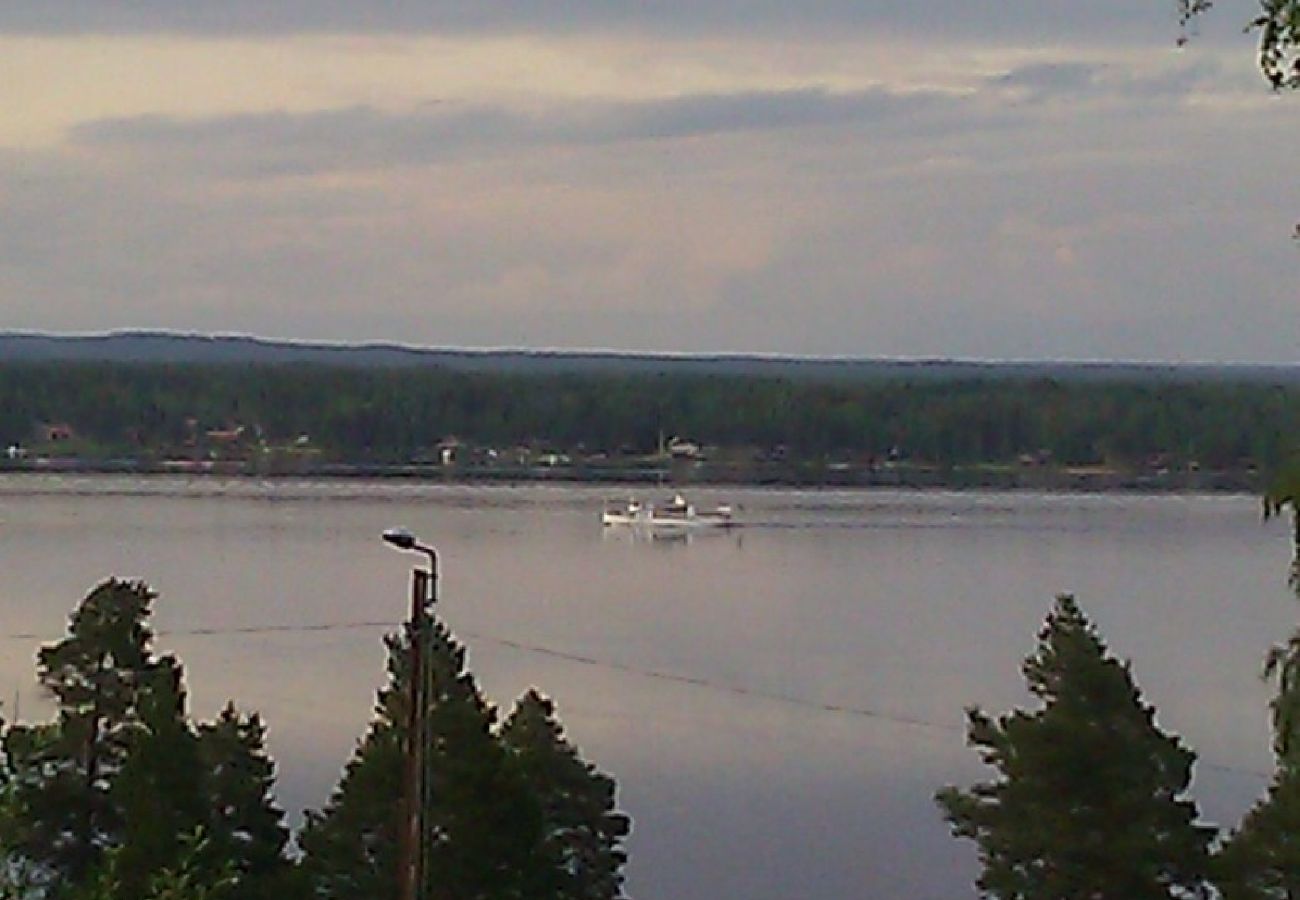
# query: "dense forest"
[[398, 416], [122, 795]]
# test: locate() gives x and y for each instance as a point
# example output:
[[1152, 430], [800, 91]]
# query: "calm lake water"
[[778, 703]]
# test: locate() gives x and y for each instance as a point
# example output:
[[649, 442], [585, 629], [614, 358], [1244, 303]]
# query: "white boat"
[[676, 514], [634, 512]]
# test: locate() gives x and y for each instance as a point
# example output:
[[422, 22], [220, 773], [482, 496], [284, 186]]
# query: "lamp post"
[[424, 593]]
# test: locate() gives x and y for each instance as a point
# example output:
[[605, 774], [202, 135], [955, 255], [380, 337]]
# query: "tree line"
[[398, 415], [123, 796]]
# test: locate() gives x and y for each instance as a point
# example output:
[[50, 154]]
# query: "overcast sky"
[[1025, 179]]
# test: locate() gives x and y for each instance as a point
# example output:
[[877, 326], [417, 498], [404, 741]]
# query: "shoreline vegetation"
[[269, 411], [905, 476]]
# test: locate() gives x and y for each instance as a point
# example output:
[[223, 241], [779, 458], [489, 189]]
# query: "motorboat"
[[677, 513]]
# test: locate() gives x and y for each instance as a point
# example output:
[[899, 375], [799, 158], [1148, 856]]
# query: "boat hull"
[[676, 516]]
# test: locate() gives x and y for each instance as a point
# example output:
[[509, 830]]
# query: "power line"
[[720, 687], [222, 631], [694, 681], [538, 650], [277, 629], [752, 693], [550, 652]]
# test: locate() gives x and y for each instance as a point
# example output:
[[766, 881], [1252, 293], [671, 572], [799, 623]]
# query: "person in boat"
[[678, 506]]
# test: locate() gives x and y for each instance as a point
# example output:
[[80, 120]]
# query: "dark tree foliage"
[[14, 877], [1278, 24], [511, 812], [483, 820], [6, 798], [1091, 799], [119, 793], [158, 793], [582, 830], [1283, 661], [191, 877], [244, 828], [20, 876], [350, 847], [386, 416], [63, 773], [1261, 859]]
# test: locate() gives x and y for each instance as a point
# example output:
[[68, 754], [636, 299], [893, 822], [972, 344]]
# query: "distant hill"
[[171, 348]]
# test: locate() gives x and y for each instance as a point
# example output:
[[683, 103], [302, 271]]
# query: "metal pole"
[[429, 589], [412, 848], [410, 839]]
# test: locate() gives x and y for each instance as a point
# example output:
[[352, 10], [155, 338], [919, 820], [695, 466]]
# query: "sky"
[[1031, 179]]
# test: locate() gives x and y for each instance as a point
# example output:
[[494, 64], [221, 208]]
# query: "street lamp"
[[424, 593], [402, 539]]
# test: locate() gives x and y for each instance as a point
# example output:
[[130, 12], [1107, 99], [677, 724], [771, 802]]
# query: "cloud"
[[362, 136], [1044, 81], [1051, 78], [763, 111], [1057, 20], [1023, 201], [1039, 237], [1139, 88]]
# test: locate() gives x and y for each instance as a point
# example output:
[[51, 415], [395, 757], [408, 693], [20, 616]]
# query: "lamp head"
[[399, 538]]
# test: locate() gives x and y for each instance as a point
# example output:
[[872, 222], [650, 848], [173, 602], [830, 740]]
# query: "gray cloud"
[[280, 143], [1052, 77], [1140, 91], [1058, 20], [283, 143], [1067, 210], [1053, 240], [760, 111]]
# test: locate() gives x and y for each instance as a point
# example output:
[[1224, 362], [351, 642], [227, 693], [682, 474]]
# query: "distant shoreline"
[[806, 476]]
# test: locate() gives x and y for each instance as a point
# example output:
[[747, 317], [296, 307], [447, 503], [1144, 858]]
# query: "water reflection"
[[910, 606], [671, 537]]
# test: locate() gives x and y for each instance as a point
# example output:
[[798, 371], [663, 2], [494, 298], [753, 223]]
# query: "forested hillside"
[[240, 350], [395, 416]]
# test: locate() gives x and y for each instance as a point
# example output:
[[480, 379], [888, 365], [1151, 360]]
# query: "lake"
[[778, 702]]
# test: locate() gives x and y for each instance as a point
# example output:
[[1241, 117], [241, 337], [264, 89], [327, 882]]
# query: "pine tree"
[[159, 790], [481, 824], [1091, 802], [21, 876], [582, 833], [99, 801], [14, 877], [244, 827], [191, 877], [1261, 859], [63, 771], [350, 847]]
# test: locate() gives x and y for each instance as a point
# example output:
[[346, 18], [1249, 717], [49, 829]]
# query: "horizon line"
[[772, 356]]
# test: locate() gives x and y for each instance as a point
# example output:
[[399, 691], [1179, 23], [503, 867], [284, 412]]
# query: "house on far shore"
[[225, 436], [448, 450], [55, 432], [680, 448]]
